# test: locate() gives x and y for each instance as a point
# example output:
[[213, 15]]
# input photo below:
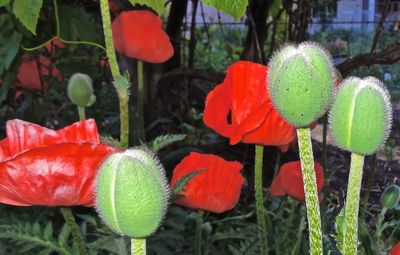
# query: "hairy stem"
[[123, 93], [81, 112], [262, 230], [140, 100], [310, 190], [77, 236], [352, 205], [138, 246], [199, 223]]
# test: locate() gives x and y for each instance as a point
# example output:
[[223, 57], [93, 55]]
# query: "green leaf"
[[4, 2], [164, 140], [157, 5], [182, 182], [235, 8], [339, 227], [13, 43], [28, 13]]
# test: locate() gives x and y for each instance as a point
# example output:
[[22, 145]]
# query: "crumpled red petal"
[[289, 180], [22, 136], [139, 35], [31, 72], [216, 189], [55, 175], [243, 95]]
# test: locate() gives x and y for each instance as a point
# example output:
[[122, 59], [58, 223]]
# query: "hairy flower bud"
[[391, 196], [361, 116], [132, 193], [300, 82], [80, 90]]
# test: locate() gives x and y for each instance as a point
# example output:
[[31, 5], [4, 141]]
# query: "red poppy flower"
[[289, 180], [216, 188], [139, 35], [395, 250], [39, 166], [240, 108], [31, 73]]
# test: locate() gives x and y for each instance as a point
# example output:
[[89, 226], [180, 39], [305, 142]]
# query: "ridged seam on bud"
[[361, 116], [132, 192], [300, 82], [80, 90]]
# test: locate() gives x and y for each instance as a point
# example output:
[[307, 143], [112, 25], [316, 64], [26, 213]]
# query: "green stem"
[[352, 205], [77, 236], [124, 116], [262, 230], [112, 57], [81, 112], [199, 223], [123, 93], [310, 190], [138, 246], [57, 18], [141, 100]]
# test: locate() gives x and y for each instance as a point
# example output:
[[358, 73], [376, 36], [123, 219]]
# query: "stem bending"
[[310, 190]]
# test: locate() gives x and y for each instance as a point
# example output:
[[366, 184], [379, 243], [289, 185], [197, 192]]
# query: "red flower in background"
[[31, 73], [395, 250], [53, 46], [216, 188], [289, 180], [39, 166], [244, 99], [139, 35]]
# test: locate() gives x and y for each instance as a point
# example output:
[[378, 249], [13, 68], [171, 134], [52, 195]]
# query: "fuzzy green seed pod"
[[391, 196], [300, 82], [361, 116], [132, 193], [80, 90]]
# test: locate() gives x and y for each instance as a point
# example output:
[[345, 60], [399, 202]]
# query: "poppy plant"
[[32, 71], [215, 187], [139, 35], [240, 108], [39, 166], [289, 180]]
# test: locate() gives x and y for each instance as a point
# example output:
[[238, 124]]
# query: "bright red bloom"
[[216, 188], [139, 35], [31, 73], [289, 180], [243, 98], [39, 166], [395, 250]]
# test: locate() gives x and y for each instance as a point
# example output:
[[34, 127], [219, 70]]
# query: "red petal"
[[56, 175], [243, 94], [395, 250], [290, 180], [22, 136], [216, 189], [139, 35]]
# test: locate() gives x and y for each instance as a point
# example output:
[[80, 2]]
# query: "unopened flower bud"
[[80, 90], [361, 116], [132, 193], [391, 196], [300, 82]]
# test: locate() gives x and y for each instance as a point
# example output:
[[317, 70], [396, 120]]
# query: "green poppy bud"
[[300, 82], [132, 193], [361, 116], [80, 90], [391, 196]]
